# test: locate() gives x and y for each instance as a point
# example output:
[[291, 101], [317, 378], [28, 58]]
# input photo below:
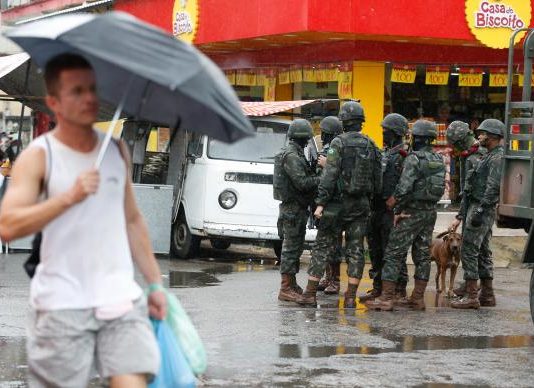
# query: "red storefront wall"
[[416, 31]]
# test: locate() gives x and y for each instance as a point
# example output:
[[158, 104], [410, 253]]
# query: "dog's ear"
[[440, 235]]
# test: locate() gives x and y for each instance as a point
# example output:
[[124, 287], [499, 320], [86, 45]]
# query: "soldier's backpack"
[[431, 186], [357, 165], [281, 188]]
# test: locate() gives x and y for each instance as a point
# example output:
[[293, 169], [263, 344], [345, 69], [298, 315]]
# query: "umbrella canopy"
[[168, 81]]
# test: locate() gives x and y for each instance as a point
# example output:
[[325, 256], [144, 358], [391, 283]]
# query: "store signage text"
[[436, 75], [493, 21], [344, 86], [497, 15], [470, 80], [405, 75], [185, 19], [498, 79]]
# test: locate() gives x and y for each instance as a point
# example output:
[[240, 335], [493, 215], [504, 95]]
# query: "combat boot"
[[333, 286], [349, 301], [470, 300], [294, 285], [401, 297], [417, 300], [287, 293], [371, 294], [400, 290], [487, 296], [385, 301], [309, 297], [460, 291]]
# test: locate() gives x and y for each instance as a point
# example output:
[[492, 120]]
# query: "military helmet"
[[396, 123], [424, 128], [351, 110], [493, 127], [300, 129], [331, 125], [457, 131]]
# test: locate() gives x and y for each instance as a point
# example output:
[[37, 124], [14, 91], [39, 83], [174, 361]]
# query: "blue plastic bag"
[[174, 371], [186, 334]]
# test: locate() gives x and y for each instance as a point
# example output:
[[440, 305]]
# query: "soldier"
[[460, 136], [351, 176], [483, 190], [420, 187], [330, 128], [295, 184], [394, 128]]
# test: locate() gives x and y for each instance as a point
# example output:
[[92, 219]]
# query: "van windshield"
[[269, 139]]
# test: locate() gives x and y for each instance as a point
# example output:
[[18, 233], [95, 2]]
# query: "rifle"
[[311, 224]]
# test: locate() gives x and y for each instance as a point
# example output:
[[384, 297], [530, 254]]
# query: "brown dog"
[[445, 251]]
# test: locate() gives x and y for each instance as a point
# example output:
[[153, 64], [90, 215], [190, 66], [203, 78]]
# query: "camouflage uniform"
[[343, 211], [468, 164], [381, 221], [420, 187], [293, 214], [415, 231], [336, 254], [482, 190]]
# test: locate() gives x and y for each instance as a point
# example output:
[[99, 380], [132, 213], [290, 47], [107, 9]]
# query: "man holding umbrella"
[[86, 307]]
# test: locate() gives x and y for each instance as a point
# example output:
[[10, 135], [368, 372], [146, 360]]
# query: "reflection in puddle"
[[191, 279], [207, 277], [408, 344]]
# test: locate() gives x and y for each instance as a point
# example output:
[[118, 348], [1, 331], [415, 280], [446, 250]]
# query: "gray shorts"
[[65, 346]]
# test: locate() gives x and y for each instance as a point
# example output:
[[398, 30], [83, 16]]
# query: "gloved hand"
[[476, 218]]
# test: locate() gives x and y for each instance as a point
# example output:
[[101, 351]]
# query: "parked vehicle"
[[516, 207], [227, 193]]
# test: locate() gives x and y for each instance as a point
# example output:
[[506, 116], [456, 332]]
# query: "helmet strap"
[[420, 142], [300, 141], [352, 125], [326, 138]]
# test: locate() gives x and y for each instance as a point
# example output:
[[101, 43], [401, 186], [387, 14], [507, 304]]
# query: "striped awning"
[[269, 108]]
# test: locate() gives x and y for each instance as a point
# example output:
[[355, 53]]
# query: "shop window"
[[313, 90]]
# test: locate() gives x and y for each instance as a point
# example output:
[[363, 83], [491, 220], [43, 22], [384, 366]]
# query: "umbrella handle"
[[116, 116], [109, 133]]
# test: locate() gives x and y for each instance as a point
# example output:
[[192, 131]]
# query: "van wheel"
[[220, 244], [183, 244], [277, 246]]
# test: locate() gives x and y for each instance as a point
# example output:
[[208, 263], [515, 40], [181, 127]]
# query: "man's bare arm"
[[141, 248], [138, 235], [20, 213]]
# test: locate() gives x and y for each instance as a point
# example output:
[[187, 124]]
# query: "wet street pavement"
[[254, 340]]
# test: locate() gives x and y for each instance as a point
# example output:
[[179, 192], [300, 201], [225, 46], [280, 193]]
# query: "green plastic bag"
[[186, 334]]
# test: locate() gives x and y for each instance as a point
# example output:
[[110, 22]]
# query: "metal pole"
[[21, 120]]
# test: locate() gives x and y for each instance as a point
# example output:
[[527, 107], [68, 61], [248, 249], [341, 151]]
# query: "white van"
[[227, 193]]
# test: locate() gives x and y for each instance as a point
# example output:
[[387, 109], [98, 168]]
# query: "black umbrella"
[[143, 70]]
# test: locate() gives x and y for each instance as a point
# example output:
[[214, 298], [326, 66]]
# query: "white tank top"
[[85, 255]]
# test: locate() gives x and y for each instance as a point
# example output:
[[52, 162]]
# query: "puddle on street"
[[208, 276], [408, 344], [191, 279]]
